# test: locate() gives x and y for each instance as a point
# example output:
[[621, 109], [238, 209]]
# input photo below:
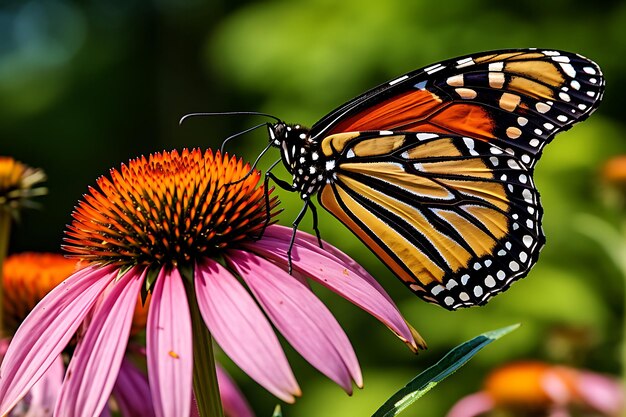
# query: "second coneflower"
[[184, 227]]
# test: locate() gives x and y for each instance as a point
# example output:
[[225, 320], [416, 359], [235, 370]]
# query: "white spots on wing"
[[590, 70], [593, 80], [501, 275], [542, 107], [451, 284], [534, 142], [397, 80], [433, 69], [490, 282], [496, 66], [526, 158], [464, 297], [426, 136], [564, 96], [496, 151], [538, 132], [575, 84], [330, 165], [448, 301], [496, 79], [477, 266], [455, 81], [494, 161], [523, 178], [469, 143], [312, 170], [512, 163], [562, 118], [464, 279], [523, 256], [560, 58], [437, 289], [385, 133], [528, 196], [315, 156], [591, 93], [478, 291], [530, 224], [350, 153], [569, 69], [466, 93], [302, 136], [582, 106], [527, 240], [551, 53], [548, 125], [501, 252], [503, 177], [513, 266], [508, 245], [465, 62], [522, 121]]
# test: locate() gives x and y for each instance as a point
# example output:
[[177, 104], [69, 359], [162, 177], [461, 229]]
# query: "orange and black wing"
[[518, 99], [456, 219]]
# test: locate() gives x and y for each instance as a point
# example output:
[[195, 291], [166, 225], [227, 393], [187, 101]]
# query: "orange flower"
[[544, 390]]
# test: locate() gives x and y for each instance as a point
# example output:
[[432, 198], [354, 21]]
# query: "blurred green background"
[[86, 85]]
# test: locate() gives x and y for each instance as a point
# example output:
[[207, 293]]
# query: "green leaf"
[[277, 411], [447, 365]]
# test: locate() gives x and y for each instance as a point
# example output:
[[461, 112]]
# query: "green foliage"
[[432, 376]]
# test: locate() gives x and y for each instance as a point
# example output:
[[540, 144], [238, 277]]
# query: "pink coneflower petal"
[[132, 392], [301, 317], [603, 393], [99, 353], [472, 406], [335, 274], [241, 329], [233, 401], [47, 330], [44, 394], [169, 346]]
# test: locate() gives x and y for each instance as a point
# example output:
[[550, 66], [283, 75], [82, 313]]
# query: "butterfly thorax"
[[301, 156]]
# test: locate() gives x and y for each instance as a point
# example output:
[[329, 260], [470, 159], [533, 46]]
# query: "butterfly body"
[[433, 170]]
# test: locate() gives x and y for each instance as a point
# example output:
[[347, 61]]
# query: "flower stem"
[[5, 231], [205, 386]]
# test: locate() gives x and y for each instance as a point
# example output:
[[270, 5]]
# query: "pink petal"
[[169, 346], [471, 406], [47, 330], [345, 278], [241, 329], [44, 394], [301, 317], [601, 392], [96, 361], [233, 401], [132, 392]]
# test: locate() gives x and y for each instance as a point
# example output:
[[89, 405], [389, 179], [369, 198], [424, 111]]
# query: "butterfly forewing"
[[457, 219], [518, 98]]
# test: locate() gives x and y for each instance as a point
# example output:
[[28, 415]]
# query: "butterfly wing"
[[518, 98], [457, 219]]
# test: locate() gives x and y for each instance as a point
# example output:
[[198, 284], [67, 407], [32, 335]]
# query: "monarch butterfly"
[[433, 170]]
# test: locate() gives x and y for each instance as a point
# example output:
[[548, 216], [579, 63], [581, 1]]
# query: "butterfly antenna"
[[256, 161], [228, 113], [243, 132]]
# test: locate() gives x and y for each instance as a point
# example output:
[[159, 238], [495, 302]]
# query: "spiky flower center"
[[18, 183], [169, 208], [27, 278]]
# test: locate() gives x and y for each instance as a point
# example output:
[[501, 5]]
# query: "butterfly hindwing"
[[517, 98], [457, 219]]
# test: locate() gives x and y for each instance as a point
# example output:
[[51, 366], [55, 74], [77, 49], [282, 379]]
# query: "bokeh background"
[[86, 85]]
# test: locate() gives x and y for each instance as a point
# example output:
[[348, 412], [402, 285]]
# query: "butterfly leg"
[[317, 231], [296, 223], [282, 184]]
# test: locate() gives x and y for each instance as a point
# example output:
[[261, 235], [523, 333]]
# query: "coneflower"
[[184, 227]]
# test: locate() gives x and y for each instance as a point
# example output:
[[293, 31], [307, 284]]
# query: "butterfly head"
[[301, 155]]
